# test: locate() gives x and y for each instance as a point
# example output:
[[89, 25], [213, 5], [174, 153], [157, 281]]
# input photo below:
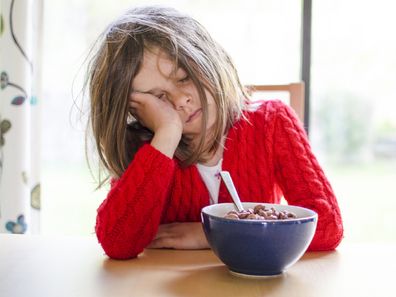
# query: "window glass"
[[353, 111]]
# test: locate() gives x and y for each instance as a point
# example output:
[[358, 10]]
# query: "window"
[[353, 111]]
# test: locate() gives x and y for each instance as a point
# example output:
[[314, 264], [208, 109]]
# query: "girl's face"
[[157, 77]]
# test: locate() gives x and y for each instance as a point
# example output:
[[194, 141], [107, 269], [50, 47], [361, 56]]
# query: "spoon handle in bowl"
[[225, 175]]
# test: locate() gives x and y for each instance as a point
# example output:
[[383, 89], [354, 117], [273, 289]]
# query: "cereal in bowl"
[[260, 212]]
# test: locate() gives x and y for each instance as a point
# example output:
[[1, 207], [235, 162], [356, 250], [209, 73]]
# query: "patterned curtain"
[[20, 41]]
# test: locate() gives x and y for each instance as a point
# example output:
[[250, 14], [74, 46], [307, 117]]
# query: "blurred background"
[[352, 99]]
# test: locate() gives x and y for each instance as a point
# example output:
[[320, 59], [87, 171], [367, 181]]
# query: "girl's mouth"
[[194, 115]]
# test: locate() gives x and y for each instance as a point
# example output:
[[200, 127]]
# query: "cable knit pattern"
[[267, 155]]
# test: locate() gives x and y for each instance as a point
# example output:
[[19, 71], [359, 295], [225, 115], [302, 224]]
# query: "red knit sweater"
[[267, 156]]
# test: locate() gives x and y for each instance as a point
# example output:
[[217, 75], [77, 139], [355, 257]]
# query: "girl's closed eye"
[[184, 79], [161, 96]]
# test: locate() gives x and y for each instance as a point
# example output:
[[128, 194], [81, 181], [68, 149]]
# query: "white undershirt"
[[211, 174], [211, 177]]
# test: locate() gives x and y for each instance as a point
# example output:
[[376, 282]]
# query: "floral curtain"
[[20, 41]]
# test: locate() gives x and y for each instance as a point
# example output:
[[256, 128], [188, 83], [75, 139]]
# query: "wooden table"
[[76, 266]]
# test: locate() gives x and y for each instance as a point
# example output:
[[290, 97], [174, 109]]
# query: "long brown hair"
[[117, 61]]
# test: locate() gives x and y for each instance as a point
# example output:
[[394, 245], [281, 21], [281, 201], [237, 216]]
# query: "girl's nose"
[[181, 100]]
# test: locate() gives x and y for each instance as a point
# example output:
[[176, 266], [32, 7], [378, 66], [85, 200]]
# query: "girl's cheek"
[[192, 90]]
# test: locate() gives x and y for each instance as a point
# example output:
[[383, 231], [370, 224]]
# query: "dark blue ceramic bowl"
[[258, 247]]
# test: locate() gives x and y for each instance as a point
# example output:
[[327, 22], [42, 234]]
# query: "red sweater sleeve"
[[129, 217], [302, 180]]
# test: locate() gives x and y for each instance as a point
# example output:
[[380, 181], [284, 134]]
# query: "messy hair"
[[117, 61]]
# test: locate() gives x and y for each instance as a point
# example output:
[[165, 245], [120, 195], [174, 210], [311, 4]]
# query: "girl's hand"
[[160, 117], [154, 113], [182, 236]]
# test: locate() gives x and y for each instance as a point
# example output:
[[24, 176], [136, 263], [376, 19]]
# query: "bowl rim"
[[312, 217]]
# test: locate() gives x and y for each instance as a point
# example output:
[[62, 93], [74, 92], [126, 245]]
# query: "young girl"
[[168, 112]]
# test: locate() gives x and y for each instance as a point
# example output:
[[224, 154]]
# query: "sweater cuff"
[[147, 151], [149, 157]]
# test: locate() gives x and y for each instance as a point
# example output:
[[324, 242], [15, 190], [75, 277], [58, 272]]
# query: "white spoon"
[[225, 175]]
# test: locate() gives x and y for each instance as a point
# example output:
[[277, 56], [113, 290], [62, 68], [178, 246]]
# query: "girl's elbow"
[[120, 255], [118, 252], [327, 241], [115, 249]]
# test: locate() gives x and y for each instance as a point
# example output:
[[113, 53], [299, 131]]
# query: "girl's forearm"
[[128, 219], [166, 141]]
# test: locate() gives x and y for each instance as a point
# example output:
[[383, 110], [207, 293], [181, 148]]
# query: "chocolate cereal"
[[260, 212]]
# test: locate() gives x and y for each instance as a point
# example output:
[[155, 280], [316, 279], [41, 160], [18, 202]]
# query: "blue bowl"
[[258, 247]]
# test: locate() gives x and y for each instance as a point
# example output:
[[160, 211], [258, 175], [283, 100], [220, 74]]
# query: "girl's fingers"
[[133, 112], [134, 97], [163, 231], [140, 97], [163, 242], [134, 105]]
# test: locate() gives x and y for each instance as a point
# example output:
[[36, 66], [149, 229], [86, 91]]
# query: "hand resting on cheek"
[[154, 113]]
